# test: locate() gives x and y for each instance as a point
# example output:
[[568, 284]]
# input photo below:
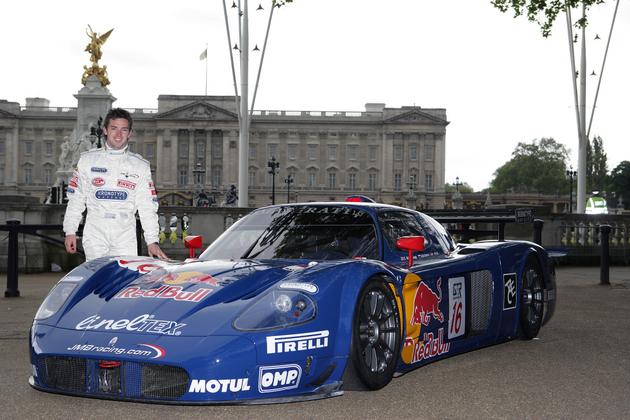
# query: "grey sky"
[[499, 80]]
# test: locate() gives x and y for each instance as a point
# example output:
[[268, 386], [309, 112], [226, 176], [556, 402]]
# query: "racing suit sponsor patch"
[[98, 169], [110, 195], [98, 181], [126, 184]]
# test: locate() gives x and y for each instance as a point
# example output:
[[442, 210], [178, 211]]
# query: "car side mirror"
[[410, 244], [193, 242]]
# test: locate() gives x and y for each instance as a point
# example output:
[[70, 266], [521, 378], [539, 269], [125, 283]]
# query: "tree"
[[536, 167], [463, 188], [543, 12], [598, 166], [620, 182]]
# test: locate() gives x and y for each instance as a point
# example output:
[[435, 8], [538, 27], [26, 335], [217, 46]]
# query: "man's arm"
[[74, 210], [147, 205]]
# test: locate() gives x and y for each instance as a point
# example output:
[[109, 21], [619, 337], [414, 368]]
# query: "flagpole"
[[206, 69]]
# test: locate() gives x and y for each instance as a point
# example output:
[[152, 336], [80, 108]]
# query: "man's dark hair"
[[115, 113]]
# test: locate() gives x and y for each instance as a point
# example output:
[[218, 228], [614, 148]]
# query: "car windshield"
[[316, 232]]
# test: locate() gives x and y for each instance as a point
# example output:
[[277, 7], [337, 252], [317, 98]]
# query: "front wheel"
[[375, 335], [532, 303]]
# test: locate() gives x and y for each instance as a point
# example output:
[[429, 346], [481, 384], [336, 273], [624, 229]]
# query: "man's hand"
[[154, 251], [71, 243]]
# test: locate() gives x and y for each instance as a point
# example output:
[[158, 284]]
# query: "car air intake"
[[131, 380]]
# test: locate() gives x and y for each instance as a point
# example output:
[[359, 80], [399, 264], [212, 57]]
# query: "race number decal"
[[457, 307]]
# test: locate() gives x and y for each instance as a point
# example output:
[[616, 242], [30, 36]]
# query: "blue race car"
[[285, 303]]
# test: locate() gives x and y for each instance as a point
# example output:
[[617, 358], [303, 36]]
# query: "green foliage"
[[463, 188], [597, 168], [536, 167], [543, 12], [620, 182], [280, 3]]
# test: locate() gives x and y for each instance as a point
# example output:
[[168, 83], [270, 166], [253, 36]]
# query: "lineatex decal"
[[294, 285], [98, 169], [144, 323], [509, 291]]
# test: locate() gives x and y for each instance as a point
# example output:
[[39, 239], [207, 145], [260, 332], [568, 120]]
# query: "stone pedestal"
[[93, 101]]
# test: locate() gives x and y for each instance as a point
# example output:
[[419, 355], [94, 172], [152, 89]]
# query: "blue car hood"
[[190, 299]]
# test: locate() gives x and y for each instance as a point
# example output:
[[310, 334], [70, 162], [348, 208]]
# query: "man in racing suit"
[[112, 183]]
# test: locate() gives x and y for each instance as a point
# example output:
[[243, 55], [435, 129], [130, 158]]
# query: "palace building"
[[394, 155]]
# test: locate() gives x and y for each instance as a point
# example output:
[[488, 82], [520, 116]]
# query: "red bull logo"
[[164, 292], [421, 305], [426, 303]]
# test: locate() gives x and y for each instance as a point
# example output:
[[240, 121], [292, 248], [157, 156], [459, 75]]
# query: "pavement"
[[578, 367]]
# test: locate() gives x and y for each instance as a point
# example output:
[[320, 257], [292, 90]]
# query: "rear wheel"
[[375, 335], [532, 303]]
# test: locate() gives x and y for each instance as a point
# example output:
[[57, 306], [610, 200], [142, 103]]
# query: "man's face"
[[117, 132]]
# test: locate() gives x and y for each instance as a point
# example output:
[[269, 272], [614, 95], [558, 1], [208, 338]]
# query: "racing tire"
[[532, 302], [375, 335]]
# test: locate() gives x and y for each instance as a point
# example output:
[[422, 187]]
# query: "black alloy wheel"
[[532, 298], [375, 335]]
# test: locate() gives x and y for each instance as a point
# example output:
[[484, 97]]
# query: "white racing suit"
[[112, 184]]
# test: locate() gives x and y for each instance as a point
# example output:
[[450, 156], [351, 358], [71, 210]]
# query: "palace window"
[[372, 181], [428, 181], [332, 152], [428, 152], [413, 152], [353, 152], [312, 152], [373, 152], [292, 151], [332, 180], [397, 181], [48, 148]]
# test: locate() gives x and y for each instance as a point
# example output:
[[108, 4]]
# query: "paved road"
[[579, 367]]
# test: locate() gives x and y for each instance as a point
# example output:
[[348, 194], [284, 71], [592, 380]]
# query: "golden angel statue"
[[94, 48]]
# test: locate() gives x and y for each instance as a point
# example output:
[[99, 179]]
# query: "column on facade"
[[191, 159], [230, 158], [439, 163], [174, 156], [161, 171], [387, 160], [12, 150]]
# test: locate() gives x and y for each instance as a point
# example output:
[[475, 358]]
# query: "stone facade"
[[192, 144]]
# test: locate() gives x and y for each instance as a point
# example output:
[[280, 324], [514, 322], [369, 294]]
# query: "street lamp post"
[[97, 132], [571, 174], [198, 173], [273, 168], [457, 183], [289, 180]]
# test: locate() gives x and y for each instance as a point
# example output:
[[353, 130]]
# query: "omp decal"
[[98, 169], [143, 323], [214, 386], [176, 293], [297, 342], [98, 181], [509, 291], [278, 378], [305, 287], [456, 307], [111, 195], [126, 184], [428, 348]]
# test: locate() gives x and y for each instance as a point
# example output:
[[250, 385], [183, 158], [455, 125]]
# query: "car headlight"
[[55, 299], [277, 309]]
